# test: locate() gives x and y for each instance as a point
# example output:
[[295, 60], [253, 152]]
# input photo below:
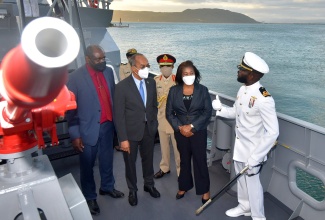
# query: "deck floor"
[[165, 207]]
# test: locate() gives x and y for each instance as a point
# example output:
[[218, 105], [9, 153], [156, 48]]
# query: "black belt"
[[259, 165]]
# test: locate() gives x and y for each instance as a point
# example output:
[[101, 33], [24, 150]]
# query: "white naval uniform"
[[257, 129]]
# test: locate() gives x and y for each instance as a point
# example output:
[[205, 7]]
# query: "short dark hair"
[[187, 63], [90, 50]]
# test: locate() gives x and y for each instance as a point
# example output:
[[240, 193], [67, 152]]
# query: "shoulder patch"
[[264, 92]]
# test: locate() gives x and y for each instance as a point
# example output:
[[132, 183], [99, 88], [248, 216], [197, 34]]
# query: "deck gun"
[[34, 98]]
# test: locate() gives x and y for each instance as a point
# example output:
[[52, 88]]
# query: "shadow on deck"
[[165, 207]]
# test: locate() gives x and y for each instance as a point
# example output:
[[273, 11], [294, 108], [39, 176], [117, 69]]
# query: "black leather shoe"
[[179, 196], [160, 174], [93, 207], [204, 201], [113, 193], [152, 190], [133, 199]]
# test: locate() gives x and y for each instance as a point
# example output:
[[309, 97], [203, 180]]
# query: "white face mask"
[[189, 80], [144, 73], [166, 70]]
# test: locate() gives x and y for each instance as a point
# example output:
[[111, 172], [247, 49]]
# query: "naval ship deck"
[[166, 207]]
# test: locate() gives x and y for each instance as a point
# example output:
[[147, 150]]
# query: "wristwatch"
[[192, 126]]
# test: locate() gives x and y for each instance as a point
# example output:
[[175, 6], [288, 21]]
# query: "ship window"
[[310, 184]]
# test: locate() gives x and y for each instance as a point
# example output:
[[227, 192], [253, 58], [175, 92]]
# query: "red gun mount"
[[32, 84]]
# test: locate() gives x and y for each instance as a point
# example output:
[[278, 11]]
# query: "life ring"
[[93, 3]]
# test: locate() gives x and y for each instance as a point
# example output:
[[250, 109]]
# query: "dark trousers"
[[145, 146], [193, 147], [104, 149]]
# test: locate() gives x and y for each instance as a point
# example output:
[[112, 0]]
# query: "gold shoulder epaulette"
[[264, 92]]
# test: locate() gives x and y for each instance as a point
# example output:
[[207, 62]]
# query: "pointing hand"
[[216, 104]]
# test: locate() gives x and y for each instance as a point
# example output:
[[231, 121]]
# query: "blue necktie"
[[142, 92]]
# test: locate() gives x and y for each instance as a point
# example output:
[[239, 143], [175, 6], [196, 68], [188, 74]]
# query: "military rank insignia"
[[264, 92], [252, 101]]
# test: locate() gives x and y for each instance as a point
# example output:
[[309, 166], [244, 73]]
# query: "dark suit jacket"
[[84, 122], [129, 110], [199, 112]]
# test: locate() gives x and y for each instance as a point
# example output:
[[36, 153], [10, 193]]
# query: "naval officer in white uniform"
[[257, 129]]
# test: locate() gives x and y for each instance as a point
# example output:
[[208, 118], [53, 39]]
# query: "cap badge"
[[132, 51], [165, 57]]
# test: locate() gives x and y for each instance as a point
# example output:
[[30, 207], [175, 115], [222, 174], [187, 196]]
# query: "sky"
[[277, 11]]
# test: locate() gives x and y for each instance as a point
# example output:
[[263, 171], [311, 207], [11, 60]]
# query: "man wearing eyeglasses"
[[256, 130], [135, 112], [164, 82], [91, 126]]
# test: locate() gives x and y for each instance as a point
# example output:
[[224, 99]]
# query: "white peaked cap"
[[255, 62]]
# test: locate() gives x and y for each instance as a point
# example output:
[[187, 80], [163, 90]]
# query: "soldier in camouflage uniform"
[[166, 133], [125, 68]]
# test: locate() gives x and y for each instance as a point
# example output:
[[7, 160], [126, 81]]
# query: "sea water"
[[295, 54]]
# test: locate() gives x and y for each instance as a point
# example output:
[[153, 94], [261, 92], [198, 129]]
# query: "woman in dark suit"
[[188, 110]]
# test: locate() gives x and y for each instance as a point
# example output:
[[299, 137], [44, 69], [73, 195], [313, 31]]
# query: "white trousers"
[[250, 192]]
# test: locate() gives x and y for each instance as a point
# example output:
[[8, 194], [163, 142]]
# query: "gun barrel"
[[34, 72]]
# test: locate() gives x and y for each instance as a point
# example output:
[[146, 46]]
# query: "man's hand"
[[216, 104], [251, 163], [78, 145], [253, 167], [186, 130], [125, 146]]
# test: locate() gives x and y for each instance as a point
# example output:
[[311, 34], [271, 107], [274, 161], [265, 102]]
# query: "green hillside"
[[189, 15]]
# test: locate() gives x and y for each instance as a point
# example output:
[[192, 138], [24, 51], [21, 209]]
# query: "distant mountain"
[[190, 15]]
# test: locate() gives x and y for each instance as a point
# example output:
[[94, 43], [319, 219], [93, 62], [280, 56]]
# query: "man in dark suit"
[[135, 113], [91, 126]]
